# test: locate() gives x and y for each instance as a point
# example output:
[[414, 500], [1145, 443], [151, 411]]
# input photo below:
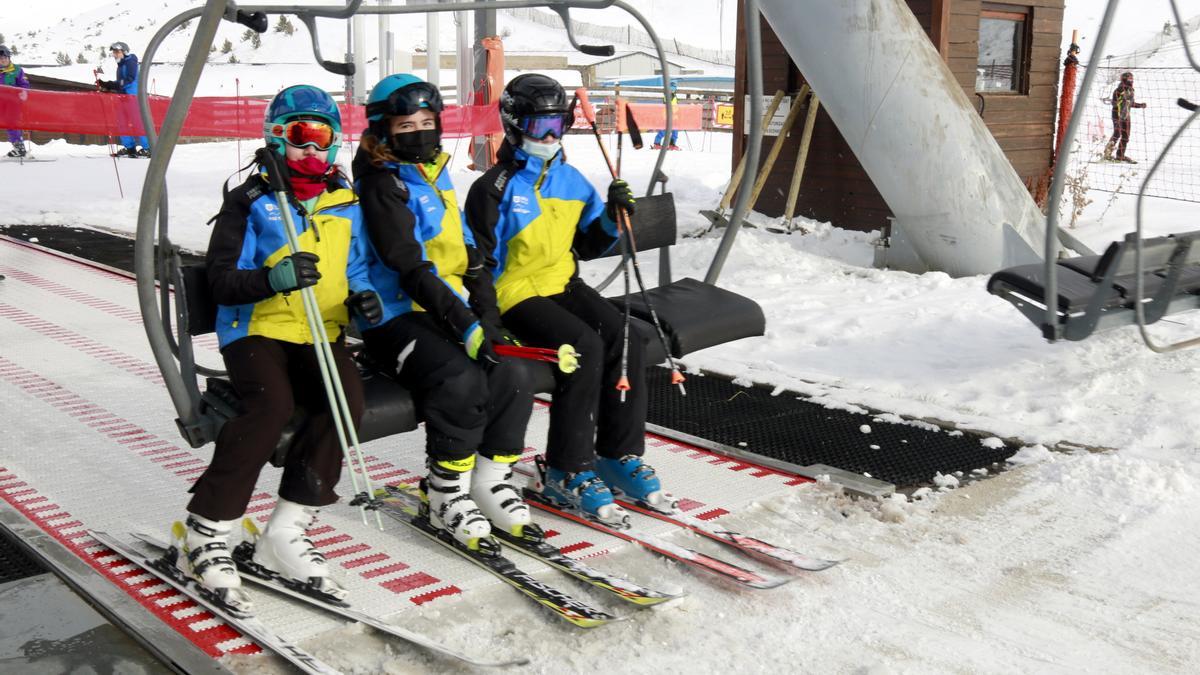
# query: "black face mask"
[[417, 146]]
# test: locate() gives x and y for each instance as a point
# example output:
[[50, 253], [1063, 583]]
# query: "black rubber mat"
[[790, 428], [101, 247], [787, 427], [14, 563]]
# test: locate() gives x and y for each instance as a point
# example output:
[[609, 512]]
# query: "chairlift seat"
[[694, 315], [1101, 290]]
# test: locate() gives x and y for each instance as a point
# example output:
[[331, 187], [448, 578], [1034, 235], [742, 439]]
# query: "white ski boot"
[[285, 549], [451, 508], [203, 555], [497, 497]]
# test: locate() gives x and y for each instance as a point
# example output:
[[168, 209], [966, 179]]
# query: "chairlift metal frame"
[[170, 343], [1052, 327]]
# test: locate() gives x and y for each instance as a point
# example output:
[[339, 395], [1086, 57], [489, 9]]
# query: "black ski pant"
[[588, 416], [272, 377], [1121, 134], [465, 407]]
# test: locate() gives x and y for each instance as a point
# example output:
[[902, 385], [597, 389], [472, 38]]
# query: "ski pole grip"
[[269, 158], [588, 111]]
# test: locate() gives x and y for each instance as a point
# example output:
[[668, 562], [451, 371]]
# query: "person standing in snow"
[[127, 112], [1122, 104], [425, 265], [267, 348], [661, 135], [532, 214], [13, 75]]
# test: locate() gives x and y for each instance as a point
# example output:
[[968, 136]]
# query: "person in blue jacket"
[[14, 76], [440, 319], [673, 101], [534, 215], [127, 112], [268, 351]]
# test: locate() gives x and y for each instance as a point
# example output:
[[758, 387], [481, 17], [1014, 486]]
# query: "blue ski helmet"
[[302, 101], [401, 94]]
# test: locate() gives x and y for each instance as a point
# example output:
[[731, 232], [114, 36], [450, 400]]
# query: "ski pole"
[[343, 420], [565, 356], [623, 222], [111, 153]]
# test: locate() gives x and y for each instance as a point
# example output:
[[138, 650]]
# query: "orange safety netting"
[[105, 114], [653, 116]]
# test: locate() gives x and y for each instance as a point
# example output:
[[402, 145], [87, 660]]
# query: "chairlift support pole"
[[755, 86], [1051, 329]]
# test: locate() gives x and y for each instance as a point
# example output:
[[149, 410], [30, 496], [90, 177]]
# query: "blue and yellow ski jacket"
[[423, 257], [533, 219], [249, 238]]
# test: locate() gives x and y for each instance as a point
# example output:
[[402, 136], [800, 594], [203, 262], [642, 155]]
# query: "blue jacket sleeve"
[[597, 233], [127, 71], [358, 265]]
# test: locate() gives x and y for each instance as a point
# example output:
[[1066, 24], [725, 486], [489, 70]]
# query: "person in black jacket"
[[1123, 103], [439, 316]]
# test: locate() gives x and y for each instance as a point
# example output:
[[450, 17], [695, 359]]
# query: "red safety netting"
[[105, 114]]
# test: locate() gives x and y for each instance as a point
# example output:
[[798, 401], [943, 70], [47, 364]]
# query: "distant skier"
[[127, 112], [673, 101], [14, 76], [267, 349], [424, 264], [1122, 103], [532, 214]]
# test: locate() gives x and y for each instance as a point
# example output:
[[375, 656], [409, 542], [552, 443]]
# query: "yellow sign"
[[725, 114]]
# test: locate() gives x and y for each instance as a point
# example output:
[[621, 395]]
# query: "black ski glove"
[[366, 304], [619, 196], [294, 272]]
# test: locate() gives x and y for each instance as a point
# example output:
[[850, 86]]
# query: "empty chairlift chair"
[[1100, 291]]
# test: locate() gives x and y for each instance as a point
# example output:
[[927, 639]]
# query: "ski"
[[532, 542], [745, 544], [256, 574], [489, 558], [164, 569], [722, 569]]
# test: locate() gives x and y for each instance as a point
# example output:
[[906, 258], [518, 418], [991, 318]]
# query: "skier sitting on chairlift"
[[267, 348], [438, 342]]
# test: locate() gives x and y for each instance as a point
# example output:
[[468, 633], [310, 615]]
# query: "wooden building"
[[1006, 57]]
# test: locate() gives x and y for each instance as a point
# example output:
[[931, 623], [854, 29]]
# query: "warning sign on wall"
[[776, 122], [724, 115]]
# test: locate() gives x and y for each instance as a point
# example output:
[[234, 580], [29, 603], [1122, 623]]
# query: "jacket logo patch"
[[270, 207], [520, 204]]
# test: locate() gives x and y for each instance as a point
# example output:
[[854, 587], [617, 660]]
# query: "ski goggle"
[[408, 100], [540, 126], [301, 133]]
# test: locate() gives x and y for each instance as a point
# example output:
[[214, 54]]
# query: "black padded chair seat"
[[1075, 289], [696, 315]]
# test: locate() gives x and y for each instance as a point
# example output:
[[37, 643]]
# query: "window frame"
[[1024, 14]]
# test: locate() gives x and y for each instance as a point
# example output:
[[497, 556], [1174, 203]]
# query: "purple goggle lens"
[[541, 126]]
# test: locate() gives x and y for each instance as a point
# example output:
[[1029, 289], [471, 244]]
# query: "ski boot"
[[141, 152], [582, 491], [674, 147], [18, 150], [1108, 151], [635, 479], [496, 496], [285, 550], [1127, 160], [656, 146], [451, 509], [202, 548]]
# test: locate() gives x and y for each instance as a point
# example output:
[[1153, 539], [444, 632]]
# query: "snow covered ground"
[[1067, 562]]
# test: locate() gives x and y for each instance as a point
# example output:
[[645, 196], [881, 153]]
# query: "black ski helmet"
[[530, 94]]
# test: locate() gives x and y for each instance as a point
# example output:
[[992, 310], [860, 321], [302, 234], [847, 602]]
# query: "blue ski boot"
[[582, 491], [636, 480]]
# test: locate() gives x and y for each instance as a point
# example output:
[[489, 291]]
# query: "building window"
[[1003, 64]]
